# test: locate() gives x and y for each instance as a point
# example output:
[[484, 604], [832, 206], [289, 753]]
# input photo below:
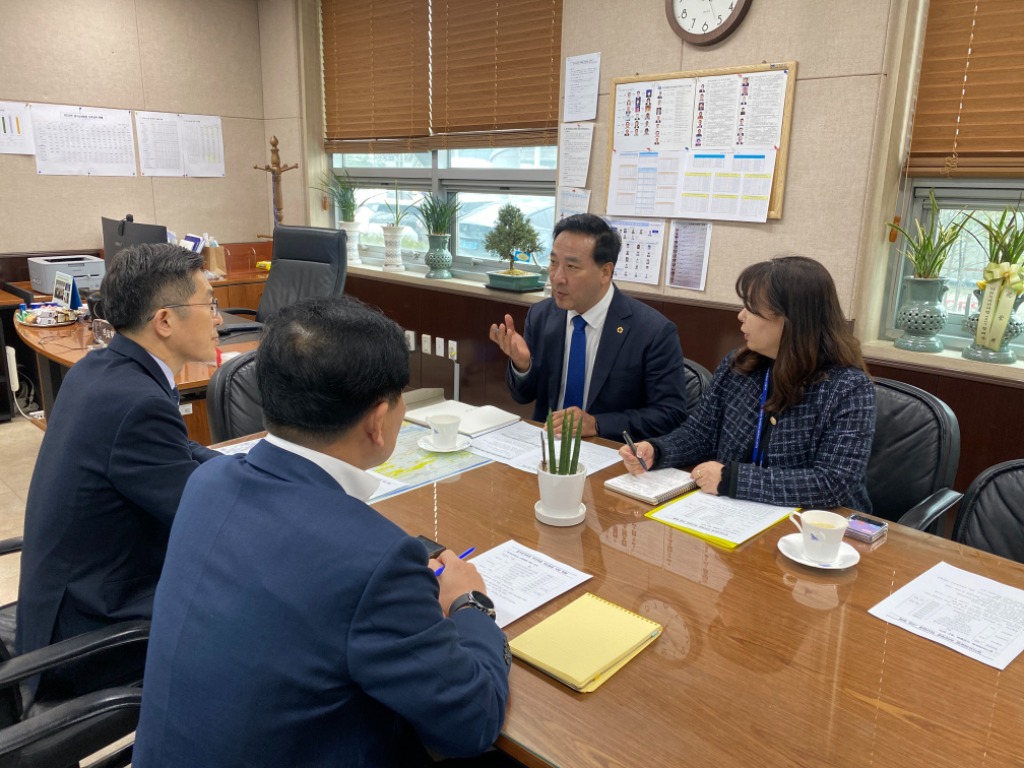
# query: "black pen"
[[632, 447]]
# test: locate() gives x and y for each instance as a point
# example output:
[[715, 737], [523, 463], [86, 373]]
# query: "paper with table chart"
[[520, 579], [518, 446], [974, 615], [719, 519]]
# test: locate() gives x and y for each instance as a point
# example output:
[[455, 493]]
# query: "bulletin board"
[[710, 144]]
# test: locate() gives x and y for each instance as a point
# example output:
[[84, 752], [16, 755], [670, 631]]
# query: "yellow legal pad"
[[586, 642]]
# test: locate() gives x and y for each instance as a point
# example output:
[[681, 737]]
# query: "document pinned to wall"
[[572, 201], [689, 244], [16, 129], [574, 142], [203, 145], [160, 151], [971, 614], [83, 141], [582, 77], [642, 244]]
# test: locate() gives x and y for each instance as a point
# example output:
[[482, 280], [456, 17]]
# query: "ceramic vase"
[[1004, 355], [438, 257], [561, 498], [351, 240], [923, 315], [393, 249]]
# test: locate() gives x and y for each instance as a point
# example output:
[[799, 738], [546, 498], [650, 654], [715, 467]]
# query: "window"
[[968, 256]]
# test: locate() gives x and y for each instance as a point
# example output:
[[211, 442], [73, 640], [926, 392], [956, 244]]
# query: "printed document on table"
[[518, 446], [245, 447], [520, 579], [719, 519], [974, 615]]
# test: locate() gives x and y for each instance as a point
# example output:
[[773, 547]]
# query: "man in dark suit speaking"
[[294, 624], [115, 457], [590, 348]]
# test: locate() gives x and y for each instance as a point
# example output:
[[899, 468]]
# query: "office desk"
[[57, 349], [763, 662]]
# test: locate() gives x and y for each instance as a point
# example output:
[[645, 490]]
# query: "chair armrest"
[[927, 513], [25, 665], [8, 546], [237, 311], [67, 714]]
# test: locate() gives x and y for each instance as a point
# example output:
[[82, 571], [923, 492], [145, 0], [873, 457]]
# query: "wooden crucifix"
[[275, 169]]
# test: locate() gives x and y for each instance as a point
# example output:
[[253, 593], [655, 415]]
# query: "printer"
[[88, 271]]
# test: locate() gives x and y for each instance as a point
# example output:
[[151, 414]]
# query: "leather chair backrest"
[[915, 451], [308, 262], [234, 407], [992, 511], [697, 380]]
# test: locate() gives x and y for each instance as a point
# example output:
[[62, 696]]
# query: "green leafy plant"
[[437, 213], [512, 232], [928, 251], [397, 212], [1005, 242], [568, 459], [341, 191]]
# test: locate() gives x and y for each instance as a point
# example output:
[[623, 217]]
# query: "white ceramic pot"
[[561, 498]]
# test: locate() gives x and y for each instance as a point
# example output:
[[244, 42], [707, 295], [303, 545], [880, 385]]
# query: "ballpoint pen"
[[632, 447], [463, 556]]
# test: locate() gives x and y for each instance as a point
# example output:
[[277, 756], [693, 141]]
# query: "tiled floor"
[[19, 445]]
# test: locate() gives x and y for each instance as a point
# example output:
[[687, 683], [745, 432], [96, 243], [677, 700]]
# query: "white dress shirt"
[[354, 481]]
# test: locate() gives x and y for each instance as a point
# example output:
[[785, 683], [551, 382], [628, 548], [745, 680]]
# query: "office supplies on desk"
[[719, 519], [632, 446], [586, 642], [463, 556], [474, 420], [654, 487]]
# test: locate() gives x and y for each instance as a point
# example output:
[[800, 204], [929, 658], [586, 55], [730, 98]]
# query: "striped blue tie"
[[576, 371]]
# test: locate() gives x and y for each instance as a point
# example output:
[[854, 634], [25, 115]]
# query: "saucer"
[[792, 547], [427, 444], [561, 522]]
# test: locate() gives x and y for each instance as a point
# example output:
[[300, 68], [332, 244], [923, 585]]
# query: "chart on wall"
[[701, 145], [85, 141]]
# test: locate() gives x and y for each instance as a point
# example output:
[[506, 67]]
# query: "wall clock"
[[703, 22]]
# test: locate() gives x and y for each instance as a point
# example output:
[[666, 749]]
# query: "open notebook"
[[585, 643], [475, 420], [654, 487]]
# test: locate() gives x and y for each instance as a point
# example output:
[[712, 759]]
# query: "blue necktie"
[[576, 370]]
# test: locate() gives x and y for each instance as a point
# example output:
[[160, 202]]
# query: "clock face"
[[702, 22]]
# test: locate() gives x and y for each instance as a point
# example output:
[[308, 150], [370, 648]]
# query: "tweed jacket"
[[816, 456]]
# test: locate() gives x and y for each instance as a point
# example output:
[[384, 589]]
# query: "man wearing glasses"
[[114, 461]]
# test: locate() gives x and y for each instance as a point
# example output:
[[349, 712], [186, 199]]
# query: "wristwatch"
[[473, 599]]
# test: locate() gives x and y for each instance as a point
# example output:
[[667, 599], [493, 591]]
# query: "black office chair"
[[914, 456], [233, 404], [9, 612], [697, 379], [307, 261], [61, 733], [992, 511]]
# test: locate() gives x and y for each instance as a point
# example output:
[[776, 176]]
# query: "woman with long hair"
[[789, 416]]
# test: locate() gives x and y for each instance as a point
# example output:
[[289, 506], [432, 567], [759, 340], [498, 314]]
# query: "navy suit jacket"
[[638, 381], [295, 625], [110, 471]]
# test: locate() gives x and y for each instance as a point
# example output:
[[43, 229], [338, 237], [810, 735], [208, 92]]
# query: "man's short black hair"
[[142, 278], [323, 363], [607, 242]]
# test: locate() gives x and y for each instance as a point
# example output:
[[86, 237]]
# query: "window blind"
[[973, 125], [488, 76]]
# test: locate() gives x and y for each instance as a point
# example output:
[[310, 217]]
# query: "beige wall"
[[847, 55], [190, 56]]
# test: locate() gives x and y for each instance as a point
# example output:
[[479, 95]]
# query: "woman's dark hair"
[[815, 336]]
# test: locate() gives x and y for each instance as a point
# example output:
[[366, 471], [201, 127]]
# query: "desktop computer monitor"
[[118, 235]]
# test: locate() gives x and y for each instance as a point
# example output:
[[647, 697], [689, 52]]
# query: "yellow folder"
[[586, 642]]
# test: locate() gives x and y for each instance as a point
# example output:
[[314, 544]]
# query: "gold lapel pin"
[[619, 329]]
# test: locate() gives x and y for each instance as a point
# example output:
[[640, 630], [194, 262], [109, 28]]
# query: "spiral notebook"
[[585, 643], [654, 487]]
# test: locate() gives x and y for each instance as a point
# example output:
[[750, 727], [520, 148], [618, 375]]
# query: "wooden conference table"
[[763, 662]]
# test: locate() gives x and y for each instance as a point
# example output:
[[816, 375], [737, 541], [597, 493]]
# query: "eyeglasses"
[[212, 304]]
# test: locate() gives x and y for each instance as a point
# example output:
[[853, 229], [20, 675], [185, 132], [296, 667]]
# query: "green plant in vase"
[[437, 214], [512, 233], [566, 462], [393, 233], [923, 313], [339, 188]]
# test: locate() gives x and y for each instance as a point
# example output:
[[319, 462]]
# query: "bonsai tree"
[[341, 191], [512, 232], [437, 212]]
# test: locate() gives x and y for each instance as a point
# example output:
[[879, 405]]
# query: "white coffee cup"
[[822, 533], [445, 431]]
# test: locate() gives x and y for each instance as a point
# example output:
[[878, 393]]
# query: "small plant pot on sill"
[[517, 280]]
